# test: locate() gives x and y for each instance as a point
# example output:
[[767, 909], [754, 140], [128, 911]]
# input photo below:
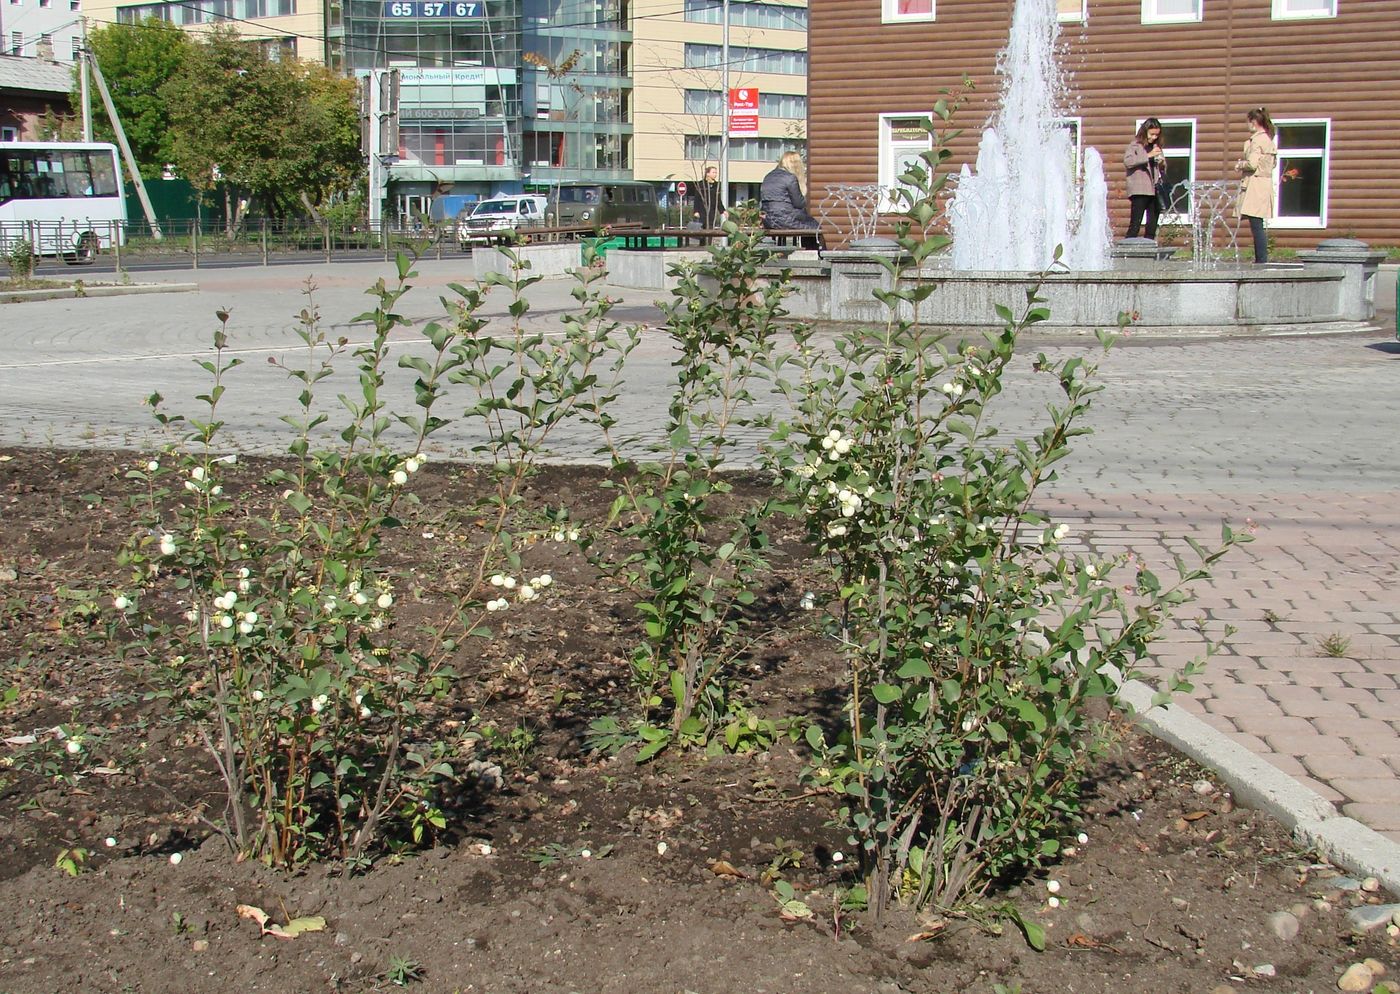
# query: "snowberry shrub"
[[315, 702], [976, 644]]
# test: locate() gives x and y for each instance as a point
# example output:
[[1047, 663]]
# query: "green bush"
[[976, 645], [314, 701], [20, 259]]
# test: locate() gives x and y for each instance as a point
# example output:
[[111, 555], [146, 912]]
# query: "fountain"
[[1024, 199]]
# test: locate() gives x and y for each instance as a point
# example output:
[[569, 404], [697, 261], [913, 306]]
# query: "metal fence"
[[186, 243]]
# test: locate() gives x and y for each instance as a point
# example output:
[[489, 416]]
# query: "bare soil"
[[1171, 892]]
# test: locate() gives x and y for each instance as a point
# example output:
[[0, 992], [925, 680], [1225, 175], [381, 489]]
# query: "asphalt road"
[[1279, 413]]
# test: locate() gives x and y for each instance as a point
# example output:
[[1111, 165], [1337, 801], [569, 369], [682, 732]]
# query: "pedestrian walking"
[[708, 199]]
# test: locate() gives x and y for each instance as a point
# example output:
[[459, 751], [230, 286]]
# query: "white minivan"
[[500, 213]]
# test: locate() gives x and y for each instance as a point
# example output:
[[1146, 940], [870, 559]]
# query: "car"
[[500, 213]]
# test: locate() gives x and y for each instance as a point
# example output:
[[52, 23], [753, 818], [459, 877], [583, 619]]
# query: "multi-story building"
[[499, 95], [45, 29], [677, 92], [310, 30], [1325, 69]]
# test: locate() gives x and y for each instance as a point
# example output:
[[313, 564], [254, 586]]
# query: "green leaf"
[[915, 668], [885, 693]]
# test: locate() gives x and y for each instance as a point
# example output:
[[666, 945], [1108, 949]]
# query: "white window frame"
[[1325, 154], [1178, 152], [1282, 13], [887, 177], [1081, 17], [889, 13], [1151, 16], [9, 134]]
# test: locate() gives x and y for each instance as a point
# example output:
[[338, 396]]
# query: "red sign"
[[681, 188], [743, 112]]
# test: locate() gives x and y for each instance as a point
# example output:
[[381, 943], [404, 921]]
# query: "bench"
[[549, 233], [662, 238]]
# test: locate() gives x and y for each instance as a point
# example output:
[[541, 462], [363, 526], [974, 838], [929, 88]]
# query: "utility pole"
[[125, 147], [724, 103], [84, 84], [379, 95]]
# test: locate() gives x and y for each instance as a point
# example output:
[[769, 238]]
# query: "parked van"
[[600, 204], [498, 214]]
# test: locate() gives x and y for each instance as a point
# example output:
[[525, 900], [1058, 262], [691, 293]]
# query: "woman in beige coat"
[[1257, 188]]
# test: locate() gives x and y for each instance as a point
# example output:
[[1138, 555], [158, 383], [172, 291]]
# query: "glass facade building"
[[498, 95]]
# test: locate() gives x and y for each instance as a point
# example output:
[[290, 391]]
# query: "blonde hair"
[[792, 162]]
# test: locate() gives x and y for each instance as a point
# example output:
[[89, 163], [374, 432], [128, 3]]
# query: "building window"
[[16, 43], [1179, 145], [1288, 9], [772, 60], [907, 10], [77, 47], [1072, 11], [1172, 11], [781, 106], [703, 148], [1075, 127], [1301, 176], [748, 15], [9, 134], [903, 138], [46, 4]]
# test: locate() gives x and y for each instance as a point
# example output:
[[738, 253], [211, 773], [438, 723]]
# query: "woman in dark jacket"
[[783, 196]]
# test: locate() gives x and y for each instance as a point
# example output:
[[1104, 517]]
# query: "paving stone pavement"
[[1297, 436]]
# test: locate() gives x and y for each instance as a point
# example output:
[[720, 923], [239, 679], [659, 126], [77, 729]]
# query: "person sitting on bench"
[[783, 199]]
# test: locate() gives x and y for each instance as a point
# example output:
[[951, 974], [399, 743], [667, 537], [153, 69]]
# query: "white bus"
[[64, 198]]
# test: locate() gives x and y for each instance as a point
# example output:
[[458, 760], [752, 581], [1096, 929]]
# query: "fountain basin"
[[1167, 299]]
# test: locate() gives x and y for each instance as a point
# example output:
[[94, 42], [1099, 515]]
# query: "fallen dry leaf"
[[293, 928], [930, 931], [1081, 941], [723, 868], [1194, 815]]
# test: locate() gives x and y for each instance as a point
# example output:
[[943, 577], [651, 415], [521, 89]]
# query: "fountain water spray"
[[1023, 200]]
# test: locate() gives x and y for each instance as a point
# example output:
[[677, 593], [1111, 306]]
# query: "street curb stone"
[[113, 290], [1312, 819]]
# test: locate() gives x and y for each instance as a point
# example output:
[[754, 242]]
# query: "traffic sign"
[[681, 188]]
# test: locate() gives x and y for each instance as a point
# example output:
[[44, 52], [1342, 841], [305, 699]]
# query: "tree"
[[276, 133], [136, 61]]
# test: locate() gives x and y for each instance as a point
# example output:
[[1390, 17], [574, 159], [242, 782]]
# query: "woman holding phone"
[[1257, 187], [1146, 165]]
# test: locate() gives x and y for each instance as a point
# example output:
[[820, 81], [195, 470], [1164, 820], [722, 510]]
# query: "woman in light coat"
[[1146, 165], [1256, 165]]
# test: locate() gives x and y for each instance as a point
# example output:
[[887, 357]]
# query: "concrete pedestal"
[[1358, 264], [551, 260]]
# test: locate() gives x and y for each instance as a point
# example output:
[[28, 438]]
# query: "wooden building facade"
[[1327, 70]]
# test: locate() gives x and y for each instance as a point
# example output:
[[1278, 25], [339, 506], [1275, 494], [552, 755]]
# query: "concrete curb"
[[1313, 820], [98, 290]]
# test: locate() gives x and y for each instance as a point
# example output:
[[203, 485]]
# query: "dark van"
[[600, 204]]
